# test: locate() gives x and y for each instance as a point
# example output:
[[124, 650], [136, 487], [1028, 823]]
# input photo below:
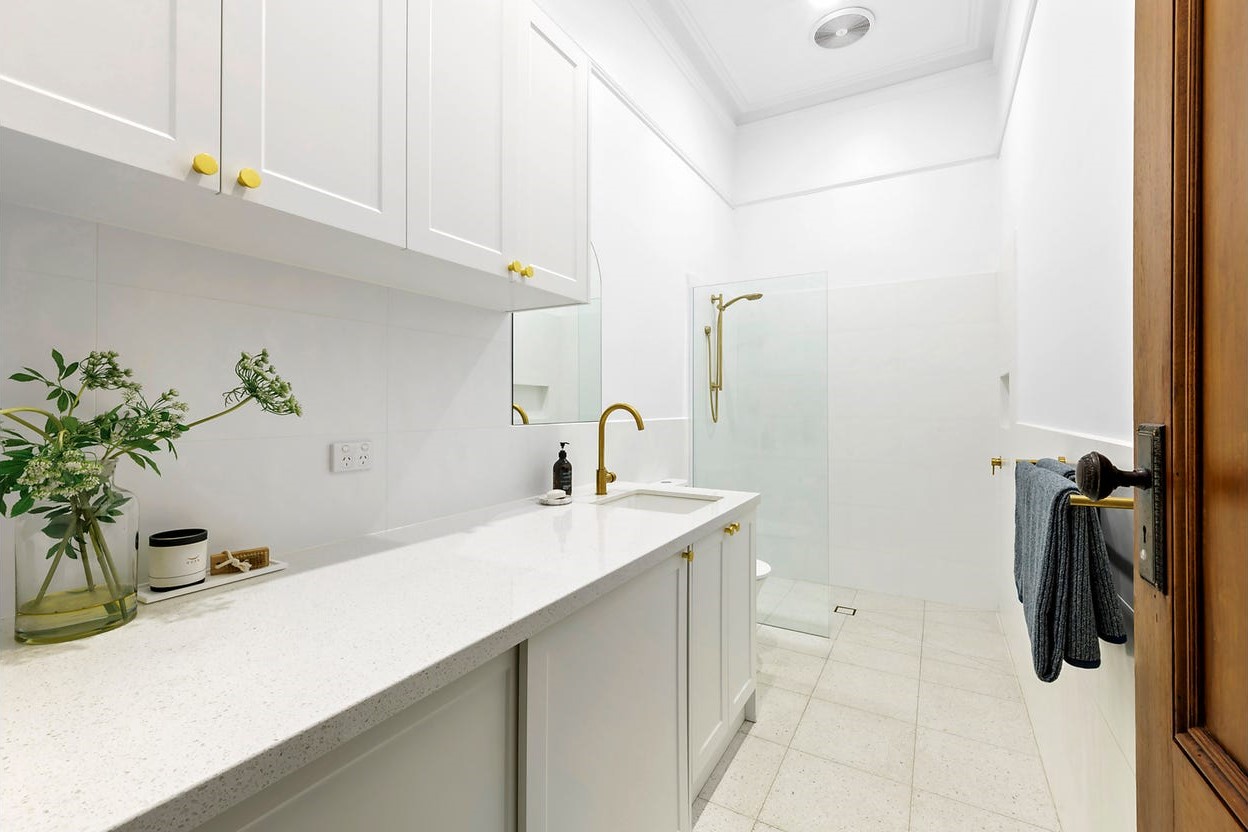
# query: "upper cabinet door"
[[137, 82], [551, 200], [314, 105], [459, 53]]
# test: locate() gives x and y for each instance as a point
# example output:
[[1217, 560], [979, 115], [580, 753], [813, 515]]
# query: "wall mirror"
[[556, 361]]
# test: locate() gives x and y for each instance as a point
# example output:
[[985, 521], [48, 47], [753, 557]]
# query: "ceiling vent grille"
[[842, 28]]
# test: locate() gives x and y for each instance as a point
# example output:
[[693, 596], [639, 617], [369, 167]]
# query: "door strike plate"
[[1150, 505]]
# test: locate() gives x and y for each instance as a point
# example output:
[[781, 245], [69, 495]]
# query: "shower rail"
[[715, 369]]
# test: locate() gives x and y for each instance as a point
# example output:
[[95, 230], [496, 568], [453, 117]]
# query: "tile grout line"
[[914, 754]]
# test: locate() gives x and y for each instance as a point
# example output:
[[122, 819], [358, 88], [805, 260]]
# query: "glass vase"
[[77, 565]]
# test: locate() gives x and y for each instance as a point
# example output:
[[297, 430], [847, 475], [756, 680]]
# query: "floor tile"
[[874, 632], [968, 642], [986, 620], [866, 741], [962, 659], [865, 600], [709, 817], [886, 694], [979, 680], [763, 827], [933, 813], [802, 615], [788, 669], [985, 776], [875, 658], [778, 712], [976, 716], [795, 641], [744, 774], [816, 795]]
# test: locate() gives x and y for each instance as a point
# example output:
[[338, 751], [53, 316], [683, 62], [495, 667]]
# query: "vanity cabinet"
[[136, 82], [498, 142], [313, 103], [604, 720], [446, 763], [721, 643]]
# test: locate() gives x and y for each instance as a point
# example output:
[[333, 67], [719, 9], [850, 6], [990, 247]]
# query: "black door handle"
[[1097, 477]]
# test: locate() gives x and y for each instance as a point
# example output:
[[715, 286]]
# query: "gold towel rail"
[[997, 463], [1075, 499]]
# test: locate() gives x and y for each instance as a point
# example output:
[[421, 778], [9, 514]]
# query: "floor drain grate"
[[845, 610]]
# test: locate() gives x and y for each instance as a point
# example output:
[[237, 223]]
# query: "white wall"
[[1066, 169]]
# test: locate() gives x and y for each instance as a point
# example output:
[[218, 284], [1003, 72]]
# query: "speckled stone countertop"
[[204, 700]]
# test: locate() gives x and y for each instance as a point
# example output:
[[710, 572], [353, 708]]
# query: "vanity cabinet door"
[[604, 710], [462, 54], [739, 614], [314, 102], [446, 763], [550, 202], [136, 82], [709, 731]]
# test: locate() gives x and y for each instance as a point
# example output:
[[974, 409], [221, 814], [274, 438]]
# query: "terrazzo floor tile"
[[866, 600], [869, 742], [763, 827], [711, 818], [887, 694], [744, 774], [978, 680], [788, 669], [903, 639], [933, 813], [973, 619], [795, 641], [964, 659], [976, 716], [812, 794], [778, 712], [890, 661], [985, 776], [966, 641]]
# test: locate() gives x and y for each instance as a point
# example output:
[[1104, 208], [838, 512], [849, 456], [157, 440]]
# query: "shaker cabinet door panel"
[[314, 101], [551, 202], [136, 82], [738, 564], [708, 702], [459, 53]]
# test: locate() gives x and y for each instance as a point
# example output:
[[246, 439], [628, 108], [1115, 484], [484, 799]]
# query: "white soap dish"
[[149, 596], [562, 500]]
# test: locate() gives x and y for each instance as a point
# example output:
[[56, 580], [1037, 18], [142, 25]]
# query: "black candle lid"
[[177, 537]]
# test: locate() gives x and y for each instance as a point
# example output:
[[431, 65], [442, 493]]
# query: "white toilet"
[[761, 570]]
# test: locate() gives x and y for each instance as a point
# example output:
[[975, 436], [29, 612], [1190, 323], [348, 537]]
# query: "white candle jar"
[[177, 558]]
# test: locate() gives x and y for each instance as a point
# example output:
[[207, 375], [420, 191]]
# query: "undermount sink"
[[664, 501]]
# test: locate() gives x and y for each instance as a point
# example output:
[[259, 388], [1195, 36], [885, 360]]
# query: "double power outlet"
[[351, 456]]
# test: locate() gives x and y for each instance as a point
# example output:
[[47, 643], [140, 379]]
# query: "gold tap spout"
[[605, 476]]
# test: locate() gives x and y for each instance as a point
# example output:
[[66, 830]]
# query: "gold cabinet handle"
[[205, 164], [249, 178], [527, 271], [688, 554], [732, 528], [515, 267]]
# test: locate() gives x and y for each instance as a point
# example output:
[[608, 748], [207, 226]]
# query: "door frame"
[[1173, 750]]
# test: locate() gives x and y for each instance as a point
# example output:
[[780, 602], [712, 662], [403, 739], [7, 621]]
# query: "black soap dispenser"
[[563, 471]]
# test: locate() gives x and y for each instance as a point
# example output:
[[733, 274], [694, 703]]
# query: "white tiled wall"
[[428, 381]]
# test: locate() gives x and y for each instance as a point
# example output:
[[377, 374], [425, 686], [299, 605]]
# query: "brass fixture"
[[732, 528], [524, 417], [205, 164], [605, 476], [515, 266], [996, 463], [715, 368], [687, 554], [527, 271], [249, 178]]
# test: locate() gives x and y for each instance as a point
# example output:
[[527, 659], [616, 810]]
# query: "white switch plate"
[[351, 456]]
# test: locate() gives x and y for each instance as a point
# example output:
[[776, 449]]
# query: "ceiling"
[[760, 60]]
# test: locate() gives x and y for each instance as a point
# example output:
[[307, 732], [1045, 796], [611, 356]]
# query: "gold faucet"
[[605, 476]]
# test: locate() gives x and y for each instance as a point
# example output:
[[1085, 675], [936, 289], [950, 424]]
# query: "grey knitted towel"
[[1061, 571]]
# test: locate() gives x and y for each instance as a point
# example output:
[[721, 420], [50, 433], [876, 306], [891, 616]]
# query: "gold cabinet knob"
[[527, 271], [516, 267], [688, 554], [249, 178], [732, 528], [205, 164]]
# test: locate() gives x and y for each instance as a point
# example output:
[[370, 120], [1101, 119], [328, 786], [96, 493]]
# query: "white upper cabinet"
[[459, 52], [552, 124], [314, 110], [138, 82]]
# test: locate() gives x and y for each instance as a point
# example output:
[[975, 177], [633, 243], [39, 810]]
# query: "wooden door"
[[550, 202], [461, 54], [136, 82], [314, 101], [1191, 373]]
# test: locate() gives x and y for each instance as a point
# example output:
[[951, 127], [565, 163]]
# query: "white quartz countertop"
[[204, 700]]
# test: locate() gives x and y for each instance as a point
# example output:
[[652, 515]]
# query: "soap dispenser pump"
[[563, 471]]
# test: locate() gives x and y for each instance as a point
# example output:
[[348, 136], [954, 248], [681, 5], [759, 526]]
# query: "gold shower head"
[[751, 296]]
